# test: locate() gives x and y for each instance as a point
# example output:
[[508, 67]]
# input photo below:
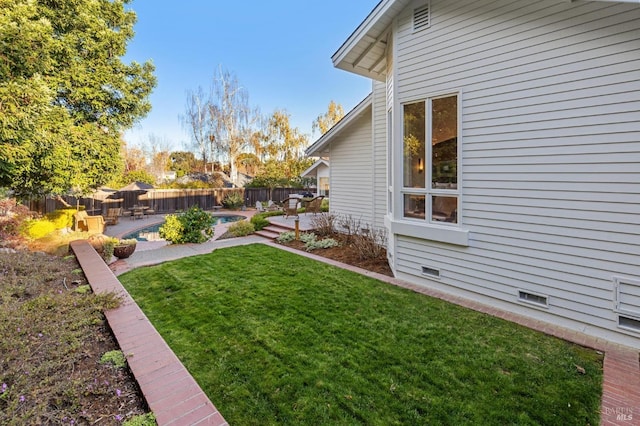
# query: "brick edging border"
[[169, 390]]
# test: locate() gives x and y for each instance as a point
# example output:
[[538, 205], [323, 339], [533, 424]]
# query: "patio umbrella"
[[137, 186]]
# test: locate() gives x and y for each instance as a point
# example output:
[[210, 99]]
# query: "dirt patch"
[[349, 254], [52, 337]]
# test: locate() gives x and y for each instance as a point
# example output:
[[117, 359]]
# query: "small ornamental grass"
[[233, 201], [241, 228], [276, 338]]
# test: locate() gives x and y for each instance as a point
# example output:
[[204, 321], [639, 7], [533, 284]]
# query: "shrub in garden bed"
[[193, 226], [241, 229], [233, 201]]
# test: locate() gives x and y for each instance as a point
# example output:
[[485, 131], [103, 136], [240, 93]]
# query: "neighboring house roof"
[[365, 50], [314, 166], [317, 148]]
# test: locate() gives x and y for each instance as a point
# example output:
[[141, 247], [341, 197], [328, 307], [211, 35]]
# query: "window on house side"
[[323, 186], [435, 119]]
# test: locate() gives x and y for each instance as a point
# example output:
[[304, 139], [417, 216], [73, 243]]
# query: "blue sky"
[[280, 51]]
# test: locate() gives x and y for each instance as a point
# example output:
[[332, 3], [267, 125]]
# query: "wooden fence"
[[164, 200]]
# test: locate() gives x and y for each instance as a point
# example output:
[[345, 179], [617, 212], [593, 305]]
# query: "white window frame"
[[427, 191]]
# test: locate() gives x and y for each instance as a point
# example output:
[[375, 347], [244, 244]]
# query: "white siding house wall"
[[379, 169], [322, 171], [550, 153], [351, 171]]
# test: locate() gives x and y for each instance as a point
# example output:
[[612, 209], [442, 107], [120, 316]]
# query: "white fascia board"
[[314, 166], [387, 7], [376, 14]]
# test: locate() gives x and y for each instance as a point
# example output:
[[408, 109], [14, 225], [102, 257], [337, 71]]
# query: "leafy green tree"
[[65, 94], [139, 175], [326, 121], [248, 163], [182, 162], [285, 147]]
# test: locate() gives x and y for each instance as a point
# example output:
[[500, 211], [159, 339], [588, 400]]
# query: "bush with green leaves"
[[241, 229], [108, 245], [259, 221], [193, 226], [172, 229], [62, 218], [233, 200], [38, 228]]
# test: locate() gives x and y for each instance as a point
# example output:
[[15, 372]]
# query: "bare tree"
[[196, 123], [158, 152], [231, 119]]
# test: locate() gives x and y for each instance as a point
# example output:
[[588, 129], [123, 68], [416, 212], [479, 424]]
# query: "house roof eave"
[[314, 166], [363, 51]]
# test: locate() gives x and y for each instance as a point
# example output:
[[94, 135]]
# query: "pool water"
[[152, 232]]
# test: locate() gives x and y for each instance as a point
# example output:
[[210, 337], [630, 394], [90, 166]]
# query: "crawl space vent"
[[627, 296], [432, 272], [629, 323], [422, 17], [533, 299]]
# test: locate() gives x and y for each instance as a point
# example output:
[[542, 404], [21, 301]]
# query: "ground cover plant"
[[276, 338], [53, 338]]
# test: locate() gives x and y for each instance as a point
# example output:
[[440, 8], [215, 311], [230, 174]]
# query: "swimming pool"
[[152, 232]]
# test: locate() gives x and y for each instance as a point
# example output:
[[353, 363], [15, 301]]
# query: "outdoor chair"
[[113, 214], [271, 206], [259, 206], [138, 213], [313, 205], [151, 210], [86, 223], [290, 206]]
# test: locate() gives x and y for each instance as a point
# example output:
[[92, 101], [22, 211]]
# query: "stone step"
[[268, 234], [276, 228]]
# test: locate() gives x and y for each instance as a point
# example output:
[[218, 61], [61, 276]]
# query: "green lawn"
[[275, 338]]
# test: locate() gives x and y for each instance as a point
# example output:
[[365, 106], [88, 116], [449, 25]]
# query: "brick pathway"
[[170, 391]]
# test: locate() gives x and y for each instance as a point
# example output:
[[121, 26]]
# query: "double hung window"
[[430, 188]]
